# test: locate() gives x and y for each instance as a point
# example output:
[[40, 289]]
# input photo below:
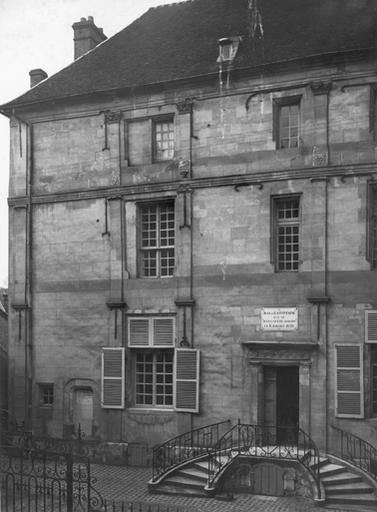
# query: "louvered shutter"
[[349, 381], [163, 332], [112, 389], [370, 326], [187, 380], [138, 329]]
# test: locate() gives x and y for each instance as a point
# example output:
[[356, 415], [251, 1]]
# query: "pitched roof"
[[179, 41]]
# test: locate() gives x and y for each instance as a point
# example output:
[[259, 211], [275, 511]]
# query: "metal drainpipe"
[[326, 305]]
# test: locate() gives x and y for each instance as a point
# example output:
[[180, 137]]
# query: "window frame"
[[158, 249], [43, 388], [155, 352], [157, 120], [277, 105], [274, 229]]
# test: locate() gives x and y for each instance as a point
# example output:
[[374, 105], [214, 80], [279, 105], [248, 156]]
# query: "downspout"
[[326, 305], [29, 276]]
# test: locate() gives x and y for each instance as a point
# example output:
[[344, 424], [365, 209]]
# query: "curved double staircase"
[[197, 463]]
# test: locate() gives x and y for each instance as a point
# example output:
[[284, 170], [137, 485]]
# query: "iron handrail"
[[189, 445], [355, 450], [263, 441]]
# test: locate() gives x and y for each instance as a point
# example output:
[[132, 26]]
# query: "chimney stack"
[[36, 76], [86, 36]]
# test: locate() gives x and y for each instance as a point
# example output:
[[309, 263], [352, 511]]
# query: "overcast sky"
[[38, 34]]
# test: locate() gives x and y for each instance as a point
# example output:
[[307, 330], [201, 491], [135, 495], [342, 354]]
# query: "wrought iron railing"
[[355, 450], [187, 446], [264, 441]]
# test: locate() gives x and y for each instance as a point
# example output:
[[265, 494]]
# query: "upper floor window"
[[286, 122], [163, 140], [157, 239], [149, 139], [286, 233]]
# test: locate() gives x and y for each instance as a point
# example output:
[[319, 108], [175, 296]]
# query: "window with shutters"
[[285, 247], [112, 382], [349, 381], [157, 239], [286, 122]]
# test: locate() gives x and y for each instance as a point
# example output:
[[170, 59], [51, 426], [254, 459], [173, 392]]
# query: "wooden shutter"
[[187, 380], [138, 332], [349, 381], [370, 326], [163, 332], [112, 389]]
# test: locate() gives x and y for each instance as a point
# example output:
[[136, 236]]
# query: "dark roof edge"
[[6, 108]]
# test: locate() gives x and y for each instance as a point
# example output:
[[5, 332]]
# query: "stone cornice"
[[351, 170]]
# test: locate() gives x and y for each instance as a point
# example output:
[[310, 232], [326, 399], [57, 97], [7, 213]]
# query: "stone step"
[[352, 499], [183, 481], [353, 488], [194, 473], [340, 478], [331, 469]]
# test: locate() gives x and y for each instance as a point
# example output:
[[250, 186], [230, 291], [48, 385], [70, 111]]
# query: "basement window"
[[46, 395]]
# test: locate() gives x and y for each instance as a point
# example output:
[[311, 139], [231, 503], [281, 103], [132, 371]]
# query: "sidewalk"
[[130, 484]]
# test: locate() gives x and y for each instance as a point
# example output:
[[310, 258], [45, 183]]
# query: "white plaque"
[[279, 319]]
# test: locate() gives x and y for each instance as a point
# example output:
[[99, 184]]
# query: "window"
[[286, 249], [163, 140], [374, 379], [46, 395], [163, 376], [149, 140], [286, 122], [157, 239], [154, 378]]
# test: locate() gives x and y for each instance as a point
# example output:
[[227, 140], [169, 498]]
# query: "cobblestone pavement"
[[130, 483]]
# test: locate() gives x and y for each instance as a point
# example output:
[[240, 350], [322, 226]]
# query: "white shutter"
[[112, 389], [163, 332], [349, 381], [370, 326], [187, 380], [138, 332]]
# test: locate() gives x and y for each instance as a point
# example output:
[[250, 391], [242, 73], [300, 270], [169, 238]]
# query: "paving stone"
[[130, 484]]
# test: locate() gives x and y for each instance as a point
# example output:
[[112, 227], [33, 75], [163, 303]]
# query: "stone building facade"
[[193, 225]]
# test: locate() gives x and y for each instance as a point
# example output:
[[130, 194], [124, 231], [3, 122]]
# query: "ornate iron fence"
[[355, 450], [187, 446], [36, 480], [289, 443]]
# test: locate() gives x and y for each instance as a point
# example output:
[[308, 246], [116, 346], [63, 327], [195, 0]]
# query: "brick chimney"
[[86, 36], [36, 76]]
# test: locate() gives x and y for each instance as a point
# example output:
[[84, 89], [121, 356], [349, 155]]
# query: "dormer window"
[[228, 47]]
